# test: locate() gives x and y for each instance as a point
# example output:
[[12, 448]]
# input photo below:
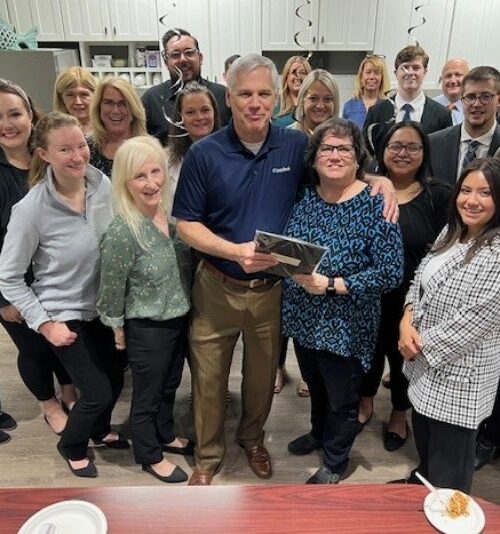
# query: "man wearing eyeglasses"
[[409, 103], [183, 60], [452, 149]]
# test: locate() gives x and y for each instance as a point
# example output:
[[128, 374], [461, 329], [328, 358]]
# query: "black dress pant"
[[446, 452], [387, 345], [36, 361], [96, 368], [334, 386], [156, 351]]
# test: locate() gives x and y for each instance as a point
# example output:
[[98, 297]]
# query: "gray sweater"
[[63, 246]]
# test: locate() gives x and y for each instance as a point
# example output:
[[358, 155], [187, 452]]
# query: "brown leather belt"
[[249, 284]]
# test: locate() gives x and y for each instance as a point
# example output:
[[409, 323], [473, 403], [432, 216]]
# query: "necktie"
[[470, 155], [407, 108]]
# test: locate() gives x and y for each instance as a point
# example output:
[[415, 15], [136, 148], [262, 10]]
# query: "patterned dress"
[[365, 251]]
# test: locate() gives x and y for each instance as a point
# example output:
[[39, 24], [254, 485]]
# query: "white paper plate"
[[69, 517], [437, 516]]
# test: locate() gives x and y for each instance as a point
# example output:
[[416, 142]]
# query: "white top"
[[436, 263], [417, 104]]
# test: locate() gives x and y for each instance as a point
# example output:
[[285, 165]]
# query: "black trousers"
[[36, 361], [96, 368], [491, 426], [446, 452], [156, 351], [387, 345], [334, 386]]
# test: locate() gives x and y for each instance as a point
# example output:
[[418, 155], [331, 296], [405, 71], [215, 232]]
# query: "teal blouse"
[[136, 284]]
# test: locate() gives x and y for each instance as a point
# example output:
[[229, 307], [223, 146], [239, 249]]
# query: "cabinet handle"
[[105, 30], [114, 30], [314, 40], [322, 39]]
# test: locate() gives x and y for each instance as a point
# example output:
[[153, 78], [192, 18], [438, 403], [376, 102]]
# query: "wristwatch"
[[331, 287]]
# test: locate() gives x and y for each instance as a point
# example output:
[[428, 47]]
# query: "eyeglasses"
[[111, 104], [484, 98], [314, 100], [175, 55], [344, 151], [411, 148], [380, 56]]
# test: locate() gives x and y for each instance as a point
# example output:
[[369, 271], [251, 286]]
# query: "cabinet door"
[[235, 28], [133, 20], [347, 24], [86, 20], [280, 25], [4, 12], [43, 14], [478, 43]]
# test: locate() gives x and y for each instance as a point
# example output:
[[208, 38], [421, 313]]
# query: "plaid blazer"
[[455, 377]]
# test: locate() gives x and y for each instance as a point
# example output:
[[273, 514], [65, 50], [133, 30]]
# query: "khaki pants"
[[221, 312]]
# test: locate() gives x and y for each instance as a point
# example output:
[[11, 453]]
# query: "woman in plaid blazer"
[[450, 331]]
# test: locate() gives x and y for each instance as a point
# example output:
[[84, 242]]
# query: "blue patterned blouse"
[[366, 251]]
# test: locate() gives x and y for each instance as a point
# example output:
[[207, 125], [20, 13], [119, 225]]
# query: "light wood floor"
[[31, 459]]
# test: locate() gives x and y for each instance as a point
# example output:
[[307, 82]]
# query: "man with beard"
[[451, 78], [409, 103], [479, 134], [183, 60]]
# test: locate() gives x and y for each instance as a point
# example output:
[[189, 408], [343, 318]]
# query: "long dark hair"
[[178, 144], [490, 167], [423, 172]]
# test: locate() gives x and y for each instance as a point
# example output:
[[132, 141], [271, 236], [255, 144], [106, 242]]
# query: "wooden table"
[[353, 509]]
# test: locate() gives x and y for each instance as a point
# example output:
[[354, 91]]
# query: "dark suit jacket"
[[445, 151], [382, 116]]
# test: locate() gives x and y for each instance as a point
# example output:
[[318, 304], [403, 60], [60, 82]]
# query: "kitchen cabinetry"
[[110, 20], [45, 15], [324, 25], [4, 12]]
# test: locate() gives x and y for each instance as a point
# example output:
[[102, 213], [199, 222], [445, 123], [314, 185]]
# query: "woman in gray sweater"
[[56, 228]]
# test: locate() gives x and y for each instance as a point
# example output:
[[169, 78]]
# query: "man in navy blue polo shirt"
[[242, 178]]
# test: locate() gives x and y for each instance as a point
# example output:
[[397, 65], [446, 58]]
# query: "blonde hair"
[[286, 100], [134, 104], [50, 122], [129, 159], [323, 76], [68, 79], [380, 68]]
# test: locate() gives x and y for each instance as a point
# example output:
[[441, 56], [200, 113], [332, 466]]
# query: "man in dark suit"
[[409, 102], [183, 60], [479, 134]]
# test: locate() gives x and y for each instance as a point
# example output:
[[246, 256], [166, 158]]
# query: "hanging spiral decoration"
[[307, 26], [423, 20]]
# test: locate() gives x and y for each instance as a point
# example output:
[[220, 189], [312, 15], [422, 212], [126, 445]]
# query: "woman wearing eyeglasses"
[[318, 101], [423, 208], [371, 86], [333, 314], [117, 114], [294, 72]]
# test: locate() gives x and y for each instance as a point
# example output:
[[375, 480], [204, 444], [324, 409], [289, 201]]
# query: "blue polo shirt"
[[234, 192]]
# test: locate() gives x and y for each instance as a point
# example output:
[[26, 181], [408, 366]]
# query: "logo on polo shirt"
[[279, 170]]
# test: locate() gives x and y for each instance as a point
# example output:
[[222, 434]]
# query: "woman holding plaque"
[[333, 314]]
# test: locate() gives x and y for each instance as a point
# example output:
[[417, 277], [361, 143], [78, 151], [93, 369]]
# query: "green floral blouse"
[[136, 284]]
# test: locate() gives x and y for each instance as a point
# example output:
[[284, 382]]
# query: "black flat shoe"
[[304, 445], [85, 472], [188, 450], [324, 476], [361, 426], [178, 475], [7, 422], [4, 437], [50, 426], [393, 441], [120, 443]]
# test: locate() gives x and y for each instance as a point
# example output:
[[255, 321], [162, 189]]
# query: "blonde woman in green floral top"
[[144, 297]]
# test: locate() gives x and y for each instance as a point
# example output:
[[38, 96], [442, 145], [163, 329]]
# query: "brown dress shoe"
[[259, 461], [201, 478]]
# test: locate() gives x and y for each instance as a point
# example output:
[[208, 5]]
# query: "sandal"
[[281, 380], [302, 389]]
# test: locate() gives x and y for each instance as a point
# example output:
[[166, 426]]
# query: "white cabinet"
[[478, 43], [110, 20], [432, 35], [45, 15], [318, 25], [4, 12]]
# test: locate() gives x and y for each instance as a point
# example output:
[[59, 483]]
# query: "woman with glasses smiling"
[[423, 208], [294, 72], [333, 314], [117, 114]]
